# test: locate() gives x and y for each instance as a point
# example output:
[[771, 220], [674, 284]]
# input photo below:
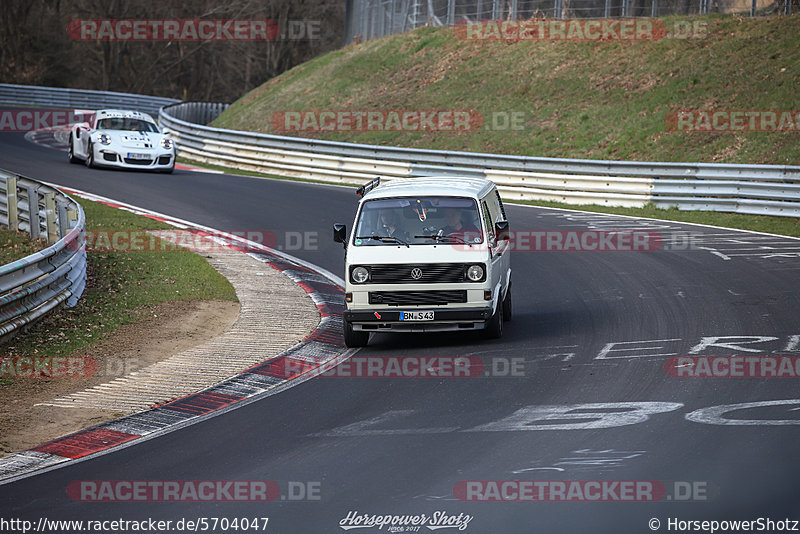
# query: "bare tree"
[[35, 47]]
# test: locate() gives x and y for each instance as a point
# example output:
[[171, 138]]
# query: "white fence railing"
[[753, 189], [58, 97], [32, 286]]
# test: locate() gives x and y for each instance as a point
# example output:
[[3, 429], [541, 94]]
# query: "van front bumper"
[[445, 319]]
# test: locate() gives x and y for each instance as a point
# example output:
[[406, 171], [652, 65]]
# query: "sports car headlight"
[[166, 142], [359, 275], [475, 273], [104, 139]]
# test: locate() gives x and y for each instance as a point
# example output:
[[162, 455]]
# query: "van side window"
[[487, 217], [494, 208], [500, 202]]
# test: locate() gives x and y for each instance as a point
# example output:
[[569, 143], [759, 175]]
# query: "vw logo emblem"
[[416, 273]]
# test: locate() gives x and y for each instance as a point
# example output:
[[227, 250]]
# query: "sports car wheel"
[[71, 152], [90, 156]]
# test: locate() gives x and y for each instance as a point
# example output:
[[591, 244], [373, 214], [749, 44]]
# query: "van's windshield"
[[418, 221]]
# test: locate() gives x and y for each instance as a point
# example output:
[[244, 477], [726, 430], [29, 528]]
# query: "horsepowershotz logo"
[[439, 520]]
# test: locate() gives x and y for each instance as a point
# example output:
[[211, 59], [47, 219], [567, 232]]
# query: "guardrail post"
[[63, 221], [72, 218], [50, 217], [11, 203], [33, 211]]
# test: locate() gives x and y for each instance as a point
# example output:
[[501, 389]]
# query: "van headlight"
[[166, 143], [359, 275], [476, 273]]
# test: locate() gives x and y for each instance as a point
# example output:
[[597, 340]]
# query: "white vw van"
[[426, 255]]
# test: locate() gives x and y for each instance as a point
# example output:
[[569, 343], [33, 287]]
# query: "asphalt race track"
[[589, 328]]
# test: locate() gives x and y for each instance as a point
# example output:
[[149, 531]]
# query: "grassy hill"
[[583, 99]]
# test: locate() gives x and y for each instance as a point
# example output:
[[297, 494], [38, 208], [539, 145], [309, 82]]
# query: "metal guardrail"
[[57, 97], [753, 189], [34, 285]]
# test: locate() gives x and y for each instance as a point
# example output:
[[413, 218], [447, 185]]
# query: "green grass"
[[122, 288], [599, 100], [16, 245]]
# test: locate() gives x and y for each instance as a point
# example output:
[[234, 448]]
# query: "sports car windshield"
[[418, 221], [126, 124]]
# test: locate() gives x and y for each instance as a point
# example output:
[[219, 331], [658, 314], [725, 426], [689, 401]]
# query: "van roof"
[[447, 186]]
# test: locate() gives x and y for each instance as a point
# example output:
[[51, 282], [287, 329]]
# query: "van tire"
[[507, 311], [354, 338], [494, 328]]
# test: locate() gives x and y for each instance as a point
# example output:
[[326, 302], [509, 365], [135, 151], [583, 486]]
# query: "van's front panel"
[[419, 295]]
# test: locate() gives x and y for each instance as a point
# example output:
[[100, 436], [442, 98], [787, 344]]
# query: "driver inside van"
[[456, 224], [389, 225]]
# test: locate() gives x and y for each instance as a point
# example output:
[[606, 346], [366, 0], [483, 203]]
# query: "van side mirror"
[[501, 230], [340, 233]]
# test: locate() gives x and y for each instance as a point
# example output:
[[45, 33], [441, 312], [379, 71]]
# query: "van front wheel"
[[494, 328], [507, 310], [354, 338]]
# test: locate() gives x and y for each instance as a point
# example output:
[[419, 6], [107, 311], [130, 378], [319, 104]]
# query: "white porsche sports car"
[[124, 139]]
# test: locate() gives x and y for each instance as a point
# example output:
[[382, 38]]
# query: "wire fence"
[[368, 19]]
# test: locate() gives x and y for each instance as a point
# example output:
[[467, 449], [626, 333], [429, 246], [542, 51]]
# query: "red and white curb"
[[322, 349]]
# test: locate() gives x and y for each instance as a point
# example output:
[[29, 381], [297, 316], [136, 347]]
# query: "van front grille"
[[401, 273], [416, 298]]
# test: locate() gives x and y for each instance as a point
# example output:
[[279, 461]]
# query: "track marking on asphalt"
[[726, 244], [587, 460], [584, 416]]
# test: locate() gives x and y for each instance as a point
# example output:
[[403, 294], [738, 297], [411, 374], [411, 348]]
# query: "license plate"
[[137, 155], [416, 316]]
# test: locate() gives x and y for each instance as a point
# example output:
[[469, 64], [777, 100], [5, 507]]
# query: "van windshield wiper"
[[384, 239], [448, 238]]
